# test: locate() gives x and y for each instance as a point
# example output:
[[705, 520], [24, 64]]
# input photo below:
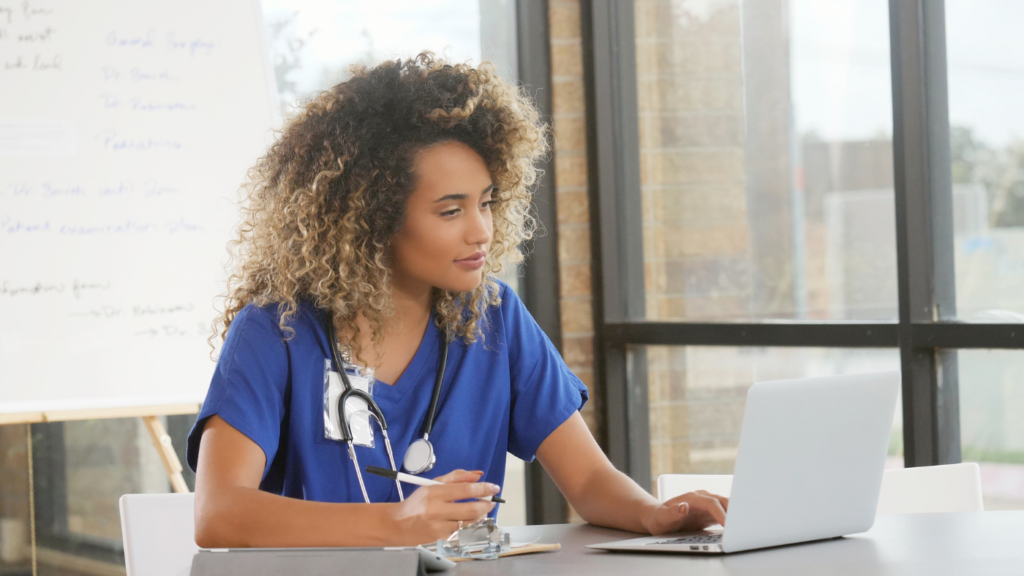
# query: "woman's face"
[[448, 227]]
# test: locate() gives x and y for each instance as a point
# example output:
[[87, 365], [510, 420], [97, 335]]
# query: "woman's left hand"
[[688, 513]]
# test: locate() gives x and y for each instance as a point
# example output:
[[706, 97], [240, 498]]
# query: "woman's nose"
[[480, 228]]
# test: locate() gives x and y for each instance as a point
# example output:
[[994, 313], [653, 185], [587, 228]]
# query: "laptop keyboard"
[[697, 539]]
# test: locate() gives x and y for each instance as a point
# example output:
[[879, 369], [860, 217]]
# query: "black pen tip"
[[382, 472], [378, 471]]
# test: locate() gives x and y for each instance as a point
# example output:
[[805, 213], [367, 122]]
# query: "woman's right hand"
[[431, 513]]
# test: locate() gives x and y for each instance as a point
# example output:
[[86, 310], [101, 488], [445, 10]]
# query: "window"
[[986, 83], [991, 427], [696, 397], [766, 160], [789, 188], [985, 67]]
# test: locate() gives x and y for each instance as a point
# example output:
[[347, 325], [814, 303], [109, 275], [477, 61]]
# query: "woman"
[[385, 209]]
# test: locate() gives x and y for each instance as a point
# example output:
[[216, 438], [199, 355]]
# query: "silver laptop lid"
[[810, 460]]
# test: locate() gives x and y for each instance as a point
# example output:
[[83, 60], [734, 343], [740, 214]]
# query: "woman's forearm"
[[601, 494], [247, 517], [230, 510], [612, 499]]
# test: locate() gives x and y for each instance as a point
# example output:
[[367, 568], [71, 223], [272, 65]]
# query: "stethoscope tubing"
[[374, 410], [436, 394]]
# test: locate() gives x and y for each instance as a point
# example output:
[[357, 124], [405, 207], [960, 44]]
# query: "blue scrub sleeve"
[[249, 384], [545, 393]]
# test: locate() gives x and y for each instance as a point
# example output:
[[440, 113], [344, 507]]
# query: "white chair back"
[[672, 485], [159, 534], [947, 488]]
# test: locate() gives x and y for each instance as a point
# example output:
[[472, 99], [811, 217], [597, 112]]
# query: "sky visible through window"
[[840, 53], [313, 42]]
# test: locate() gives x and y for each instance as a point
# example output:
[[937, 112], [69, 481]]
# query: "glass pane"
[[103, 460], [992, 422], [986, 86], [313, 42], [766, 159], [697, 395]]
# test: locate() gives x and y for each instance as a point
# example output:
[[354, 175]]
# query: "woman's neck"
[[412, 301], [403, 332], [412, 304]]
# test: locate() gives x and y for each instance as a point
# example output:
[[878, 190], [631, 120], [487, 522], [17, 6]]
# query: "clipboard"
[[411, 561]]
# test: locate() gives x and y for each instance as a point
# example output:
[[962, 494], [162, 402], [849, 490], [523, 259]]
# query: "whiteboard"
[[126, 129]]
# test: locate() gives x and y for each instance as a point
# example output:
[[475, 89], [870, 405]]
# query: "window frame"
[[540, 282], [926, 332]]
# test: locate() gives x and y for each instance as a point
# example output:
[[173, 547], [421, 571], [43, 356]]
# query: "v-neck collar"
[[419, 364]]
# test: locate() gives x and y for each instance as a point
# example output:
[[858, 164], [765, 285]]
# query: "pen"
[[410, 479]]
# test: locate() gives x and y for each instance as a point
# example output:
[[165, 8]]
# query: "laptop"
[[809, 466]]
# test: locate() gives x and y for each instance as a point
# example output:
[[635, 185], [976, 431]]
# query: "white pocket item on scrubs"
[[356, 410]]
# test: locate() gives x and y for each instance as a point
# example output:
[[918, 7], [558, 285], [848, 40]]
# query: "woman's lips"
[[473, 262]]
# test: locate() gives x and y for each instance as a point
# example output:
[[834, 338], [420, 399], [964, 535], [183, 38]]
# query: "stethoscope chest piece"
[[419, 458]]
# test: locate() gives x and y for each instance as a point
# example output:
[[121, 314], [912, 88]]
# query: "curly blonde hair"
[[321, 206]]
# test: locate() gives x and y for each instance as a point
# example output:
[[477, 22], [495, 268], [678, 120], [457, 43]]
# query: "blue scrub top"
[[504, 393]]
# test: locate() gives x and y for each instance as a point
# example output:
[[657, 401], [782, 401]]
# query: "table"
[[919, 544]]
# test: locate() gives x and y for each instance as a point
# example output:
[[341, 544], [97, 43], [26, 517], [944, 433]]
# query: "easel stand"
[[150, 416], [162, 443]]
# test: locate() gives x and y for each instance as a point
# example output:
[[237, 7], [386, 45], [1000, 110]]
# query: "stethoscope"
[[419, 457]]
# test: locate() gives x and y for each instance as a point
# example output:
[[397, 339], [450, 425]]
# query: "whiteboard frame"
[[43, 416]]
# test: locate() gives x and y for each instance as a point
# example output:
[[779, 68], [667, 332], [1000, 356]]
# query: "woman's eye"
[[448, 213], [490, 203]]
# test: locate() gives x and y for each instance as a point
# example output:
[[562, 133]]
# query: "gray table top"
[[925, 544]]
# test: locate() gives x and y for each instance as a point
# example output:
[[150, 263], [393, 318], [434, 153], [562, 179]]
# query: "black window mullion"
[[924, 230], [931, 335], [950, 335], [614, 163], [800, 334], [540, 281], [613, 136]]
